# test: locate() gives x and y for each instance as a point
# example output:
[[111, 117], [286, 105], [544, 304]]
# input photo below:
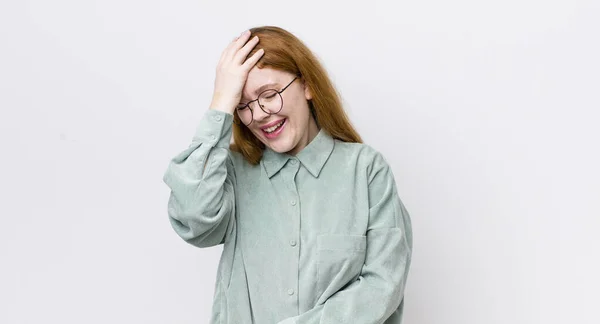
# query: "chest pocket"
[[339, 262]]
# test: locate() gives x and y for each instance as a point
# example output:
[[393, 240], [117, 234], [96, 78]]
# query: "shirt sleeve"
[[379, 290], [201, 203]]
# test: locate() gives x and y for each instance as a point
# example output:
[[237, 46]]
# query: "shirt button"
[[212, 137], [290, 292], [293, 202], [293, 242], [294, 162], [218, 118]]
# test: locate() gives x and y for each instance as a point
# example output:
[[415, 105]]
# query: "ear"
[[307, 93]]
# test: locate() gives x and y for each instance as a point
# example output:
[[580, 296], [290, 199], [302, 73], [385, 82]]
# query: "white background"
[[488, 112]]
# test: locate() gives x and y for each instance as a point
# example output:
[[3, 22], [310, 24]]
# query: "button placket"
[[293, 210]]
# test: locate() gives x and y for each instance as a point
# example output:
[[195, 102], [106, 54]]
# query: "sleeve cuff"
[[215, 129]]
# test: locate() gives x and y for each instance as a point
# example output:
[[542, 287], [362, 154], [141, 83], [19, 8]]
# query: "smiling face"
[[293, 127]]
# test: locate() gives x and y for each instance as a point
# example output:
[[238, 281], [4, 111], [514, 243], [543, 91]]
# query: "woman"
[[311, 222]]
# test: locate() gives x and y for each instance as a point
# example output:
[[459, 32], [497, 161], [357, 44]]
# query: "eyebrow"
[[263, 87]]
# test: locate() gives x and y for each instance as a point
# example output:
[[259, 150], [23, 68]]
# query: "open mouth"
[[273, 131]]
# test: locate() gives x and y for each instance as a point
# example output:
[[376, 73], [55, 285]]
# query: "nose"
[[258, 113]]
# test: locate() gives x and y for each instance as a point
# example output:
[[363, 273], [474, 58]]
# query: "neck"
[[309, 135]]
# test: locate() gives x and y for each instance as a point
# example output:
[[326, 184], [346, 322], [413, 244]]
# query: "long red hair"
[[285, 52]]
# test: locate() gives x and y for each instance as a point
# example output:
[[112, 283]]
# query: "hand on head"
[[232, 72]]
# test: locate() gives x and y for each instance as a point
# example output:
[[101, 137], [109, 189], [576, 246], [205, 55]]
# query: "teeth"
[[273, 128]]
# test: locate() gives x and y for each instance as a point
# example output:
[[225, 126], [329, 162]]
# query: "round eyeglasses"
[[270, 101]]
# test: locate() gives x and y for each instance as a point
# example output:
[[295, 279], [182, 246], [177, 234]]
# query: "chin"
[[282, 146]]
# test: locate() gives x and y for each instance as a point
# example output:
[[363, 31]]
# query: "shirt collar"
[[313, 156]]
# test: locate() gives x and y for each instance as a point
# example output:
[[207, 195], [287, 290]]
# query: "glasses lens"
[[245, 114], [270, 101]]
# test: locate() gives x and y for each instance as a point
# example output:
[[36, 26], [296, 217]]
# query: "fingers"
[[251, 61], [237, 52], [235, 45], [243, 52], [227, 50]]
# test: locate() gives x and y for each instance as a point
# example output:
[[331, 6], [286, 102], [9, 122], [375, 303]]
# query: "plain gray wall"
[[486, 110]]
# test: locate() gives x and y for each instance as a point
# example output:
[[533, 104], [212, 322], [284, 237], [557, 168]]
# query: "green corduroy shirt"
[[319, 237]]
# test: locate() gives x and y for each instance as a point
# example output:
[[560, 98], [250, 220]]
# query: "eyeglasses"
[[269, 101]]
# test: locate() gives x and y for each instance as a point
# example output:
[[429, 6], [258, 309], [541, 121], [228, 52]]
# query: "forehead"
[[258, 77], [257, 74]]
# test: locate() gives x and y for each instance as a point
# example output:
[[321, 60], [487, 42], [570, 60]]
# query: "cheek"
[[256, 132], [297, 109], [300, 115]]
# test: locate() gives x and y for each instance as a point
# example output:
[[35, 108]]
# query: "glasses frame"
[[247, 105]]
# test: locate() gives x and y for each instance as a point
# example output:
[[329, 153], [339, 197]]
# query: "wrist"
[[223, 102], [223, 107]]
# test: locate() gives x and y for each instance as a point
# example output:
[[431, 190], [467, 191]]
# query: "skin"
[[237, 81]]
